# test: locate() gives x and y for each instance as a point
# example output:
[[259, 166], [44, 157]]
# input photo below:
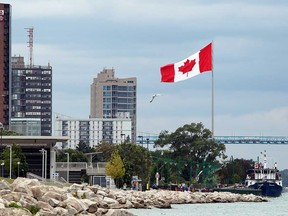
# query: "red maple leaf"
[[188, 66]]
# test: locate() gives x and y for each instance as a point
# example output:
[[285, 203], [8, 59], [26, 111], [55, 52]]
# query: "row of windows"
[[37, 72], [37, 96], [38, 102], [119, 88], [119, 106], [109, 112], [38, 113], [34, 84], [119, 94], [33, 89], [37, 90], [33, 113], [38, 78], [119, 100]]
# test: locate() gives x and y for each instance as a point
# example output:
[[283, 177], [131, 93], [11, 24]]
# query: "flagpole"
[[212, 94]]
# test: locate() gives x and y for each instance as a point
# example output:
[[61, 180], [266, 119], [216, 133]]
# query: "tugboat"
[[268, 180]]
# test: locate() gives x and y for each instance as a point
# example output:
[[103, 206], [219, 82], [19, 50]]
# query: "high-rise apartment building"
[[93, 131], [31, 98], [5, 64], [111, 97]]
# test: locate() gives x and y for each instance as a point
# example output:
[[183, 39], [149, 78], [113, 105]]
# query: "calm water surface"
[[274, 207]]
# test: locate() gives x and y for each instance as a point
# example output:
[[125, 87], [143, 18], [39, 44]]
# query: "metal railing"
[[73, 166], [62, 182], [96, 169], [91, 169]]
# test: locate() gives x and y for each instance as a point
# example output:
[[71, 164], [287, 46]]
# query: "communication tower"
[[30, 45]]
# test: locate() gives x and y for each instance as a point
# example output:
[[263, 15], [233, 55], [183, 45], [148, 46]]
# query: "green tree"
[[234, 171], [137, 161], [17, 156], [115, 167], [192, 141], [74, 156], [105, 151], [83, 147], [192, 147], [10, 133]]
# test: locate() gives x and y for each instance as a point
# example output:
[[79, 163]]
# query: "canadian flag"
[[193, 65]]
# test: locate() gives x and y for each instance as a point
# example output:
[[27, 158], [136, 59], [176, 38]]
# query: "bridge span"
[[273, 140], [252, 139]]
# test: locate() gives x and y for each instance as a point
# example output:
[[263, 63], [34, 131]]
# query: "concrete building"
[[31, 98], [5, 64], [39, 152], [93, 131], [111, 96]]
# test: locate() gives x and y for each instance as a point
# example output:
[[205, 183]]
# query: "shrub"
[[14, 205], [33, 209]]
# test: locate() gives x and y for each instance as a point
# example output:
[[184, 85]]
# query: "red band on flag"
[[167, 73], [205, 58]]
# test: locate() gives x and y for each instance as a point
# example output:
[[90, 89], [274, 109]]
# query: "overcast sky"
[[80, 38]]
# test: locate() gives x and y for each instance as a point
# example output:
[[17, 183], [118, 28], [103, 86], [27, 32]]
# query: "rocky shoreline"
[[32, 197]]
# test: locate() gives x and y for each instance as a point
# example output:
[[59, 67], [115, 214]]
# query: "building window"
[[107, 106], [105, 88], [105, 93]]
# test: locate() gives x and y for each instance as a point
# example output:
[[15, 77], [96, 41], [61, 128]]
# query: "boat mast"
[[265, 160]]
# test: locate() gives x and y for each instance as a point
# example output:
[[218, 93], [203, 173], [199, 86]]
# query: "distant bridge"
[[273, 140], [252, 139]]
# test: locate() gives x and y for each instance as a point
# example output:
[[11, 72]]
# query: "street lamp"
[[2, 165], [141, 140], [122, 139], [67, 167], [10, 163], [147, 141], [18, 164], [44, 163], [1, 131]]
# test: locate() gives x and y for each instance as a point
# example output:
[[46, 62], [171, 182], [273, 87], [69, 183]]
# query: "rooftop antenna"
[[30, 45]]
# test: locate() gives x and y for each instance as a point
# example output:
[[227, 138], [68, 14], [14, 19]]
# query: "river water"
[[274, 207]]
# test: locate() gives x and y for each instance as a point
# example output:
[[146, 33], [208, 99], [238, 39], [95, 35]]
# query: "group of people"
[[184, 187]]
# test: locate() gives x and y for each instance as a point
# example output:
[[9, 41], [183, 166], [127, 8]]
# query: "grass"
[[8, 180]]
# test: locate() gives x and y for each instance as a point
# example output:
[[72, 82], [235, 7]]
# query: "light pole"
[[10, 163], [142, 158], [2, 165], [122, 135], [44, 163], [1, 131], [18, 164], [67, 167], [141, 140], [147, 141]]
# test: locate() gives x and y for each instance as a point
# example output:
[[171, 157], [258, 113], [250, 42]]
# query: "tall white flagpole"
[[212, 93]]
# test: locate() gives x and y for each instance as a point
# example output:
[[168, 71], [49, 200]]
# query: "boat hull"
[[269, 189], [254, 191]]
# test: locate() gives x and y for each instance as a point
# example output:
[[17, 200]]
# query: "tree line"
[[189, 155]]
